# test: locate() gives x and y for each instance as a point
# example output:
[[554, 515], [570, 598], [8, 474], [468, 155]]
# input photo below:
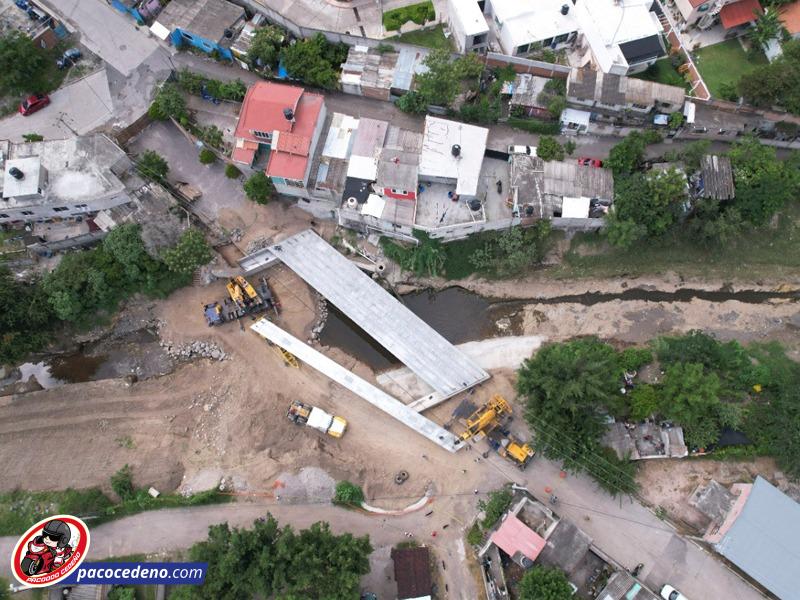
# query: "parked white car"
[[670, 593], [529, 150]]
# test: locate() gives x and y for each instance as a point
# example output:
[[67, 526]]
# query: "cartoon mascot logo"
[[50, 550]]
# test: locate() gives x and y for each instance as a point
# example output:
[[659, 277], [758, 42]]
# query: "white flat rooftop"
[[412, 341], [470, 17], [29, 184], [357, 385], [437, 159]]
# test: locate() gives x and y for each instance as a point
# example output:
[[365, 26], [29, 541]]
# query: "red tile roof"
[[262, 109], [790, 17], [739, 13], [289, 157], [514, 536]]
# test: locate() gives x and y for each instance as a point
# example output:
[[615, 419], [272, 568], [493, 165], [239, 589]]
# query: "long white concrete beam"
[[357, 385]]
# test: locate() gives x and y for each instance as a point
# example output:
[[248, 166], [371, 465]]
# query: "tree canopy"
[[646, 205], [270, 561], [190, 253], [169, 102], [25, 320], [777, 83], [549, 148], [544, 583], [259, 188], [315, 61], [265, 48], [152, 165], [442, 82], [20, 62], [626, 156]]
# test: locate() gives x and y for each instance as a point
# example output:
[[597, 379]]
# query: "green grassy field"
[[662, 72], [430, 38], [771, 254], [725, 63]]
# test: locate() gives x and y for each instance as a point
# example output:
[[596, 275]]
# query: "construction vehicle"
[[270, 300], [213, 313], [244, 295], [515, 451], [311, 416], [487, 417]]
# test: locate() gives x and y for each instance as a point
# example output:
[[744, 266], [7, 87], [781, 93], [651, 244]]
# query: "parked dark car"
[[69, 58], [590, 162], [33, 103]]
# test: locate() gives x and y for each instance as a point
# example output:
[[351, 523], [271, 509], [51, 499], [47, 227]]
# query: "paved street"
[[75, 109], [107, 32]]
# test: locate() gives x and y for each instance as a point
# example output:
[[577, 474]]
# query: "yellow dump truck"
[[517, 452], [304, 414]]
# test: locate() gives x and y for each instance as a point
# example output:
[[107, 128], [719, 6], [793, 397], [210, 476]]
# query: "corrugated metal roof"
[[764, 541]]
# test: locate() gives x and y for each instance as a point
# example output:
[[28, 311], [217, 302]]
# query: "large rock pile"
[[197, 349]]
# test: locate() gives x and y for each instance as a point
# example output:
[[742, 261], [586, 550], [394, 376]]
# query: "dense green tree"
[[26, 319], [259, 188], [265, 47], [645, 205], [20, 63], [190, 253], [627, 156], [690, 396], [495, 505], [777, 83], [565, 385], [773, 422], [549, 148], [544, 583], [569, 147], [767, 27], [169, 102], [206, 156], [644, 402], [152, 165], [442, 82], [232, 171], [268, 561], [124, 244], [315, 61]]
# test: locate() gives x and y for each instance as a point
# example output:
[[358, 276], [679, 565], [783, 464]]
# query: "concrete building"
[[568, 194], [285, 122], [205, 24], [531, 534], [617, 36], [756, 527], [610, 94], [704, 14], [61, 179], [467, 25], [525, 95]]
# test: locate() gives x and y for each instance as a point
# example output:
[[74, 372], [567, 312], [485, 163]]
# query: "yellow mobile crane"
[[487, 417]]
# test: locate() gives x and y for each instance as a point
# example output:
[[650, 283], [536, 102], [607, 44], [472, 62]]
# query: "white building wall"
[[46, 212]]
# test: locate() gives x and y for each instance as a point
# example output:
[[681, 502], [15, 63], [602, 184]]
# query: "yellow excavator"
[[487, 417]]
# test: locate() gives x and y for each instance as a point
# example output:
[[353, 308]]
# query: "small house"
[[412, 572], [615, 94], [205, 24], [526, 95], [467, 25]]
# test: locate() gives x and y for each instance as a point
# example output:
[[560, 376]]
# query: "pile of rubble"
[[319, 324], [195, 349], [236, 234], [258, 244]]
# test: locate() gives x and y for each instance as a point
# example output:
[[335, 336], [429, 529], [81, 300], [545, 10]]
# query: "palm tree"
[[767, 27]]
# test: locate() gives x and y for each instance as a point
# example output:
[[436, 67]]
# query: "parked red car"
[[33, 103], [590, 162]]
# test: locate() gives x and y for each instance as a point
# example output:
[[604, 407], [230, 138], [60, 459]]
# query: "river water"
[[462, 316]]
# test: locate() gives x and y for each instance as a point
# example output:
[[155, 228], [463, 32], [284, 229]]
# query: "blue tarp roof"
[[764, 541]]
